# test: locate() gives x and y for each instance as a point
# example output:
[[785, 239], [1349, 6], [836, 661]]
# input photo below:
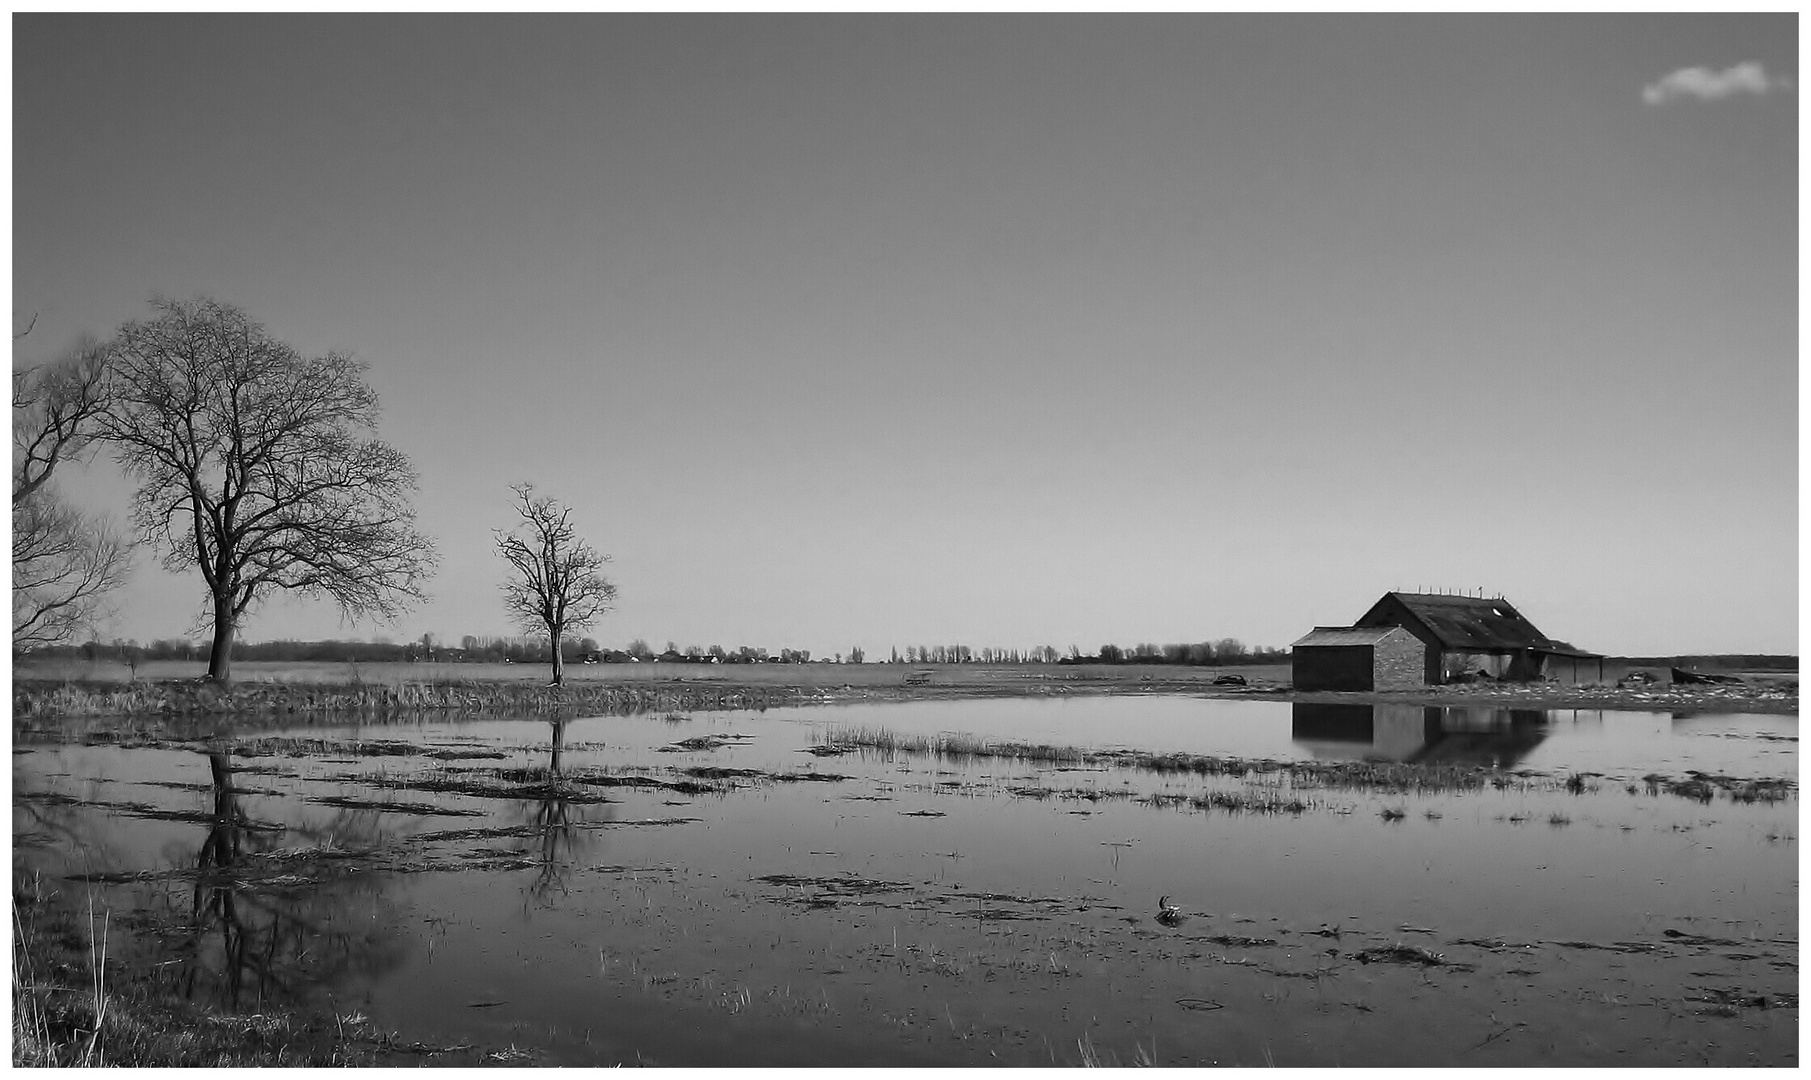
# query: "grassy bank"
[[102, 689], [38, 700]]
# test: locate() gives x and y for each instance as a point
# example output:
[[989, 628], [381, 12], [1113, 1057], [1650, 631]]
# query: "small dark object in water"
[[1199, 1004], [1167, 913], [1230, 680]]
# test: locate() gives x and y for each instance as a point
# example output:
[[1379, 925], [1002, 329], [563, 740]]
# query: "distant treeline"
[[428, 649], [1202, 654], [530, 650], [1722, 661]]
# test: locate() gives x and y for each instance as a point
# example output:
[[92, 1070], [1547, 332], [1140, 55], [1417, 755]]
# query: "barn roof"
[[1464, 623], [1347, 635]]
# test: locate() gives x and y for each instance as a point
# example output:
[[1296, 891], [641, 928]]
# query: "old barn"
[[1475, 633], [1358, 658], [1450, 636]]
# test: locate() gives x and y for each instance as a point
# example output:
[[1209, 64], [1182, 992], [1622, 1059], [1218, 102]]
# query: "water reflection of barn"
[[1421, 734], [1457, 634]]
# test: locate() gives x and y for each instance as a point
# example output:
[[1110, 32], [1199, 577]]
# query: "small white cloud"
[[1707, 85]]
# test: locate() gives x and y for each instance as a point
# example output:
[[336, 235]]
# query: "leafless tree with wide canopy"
[[255, 465]]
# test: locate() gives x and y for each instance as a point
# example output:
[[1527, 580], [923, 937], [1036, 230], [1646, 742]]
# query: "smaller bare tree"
[[56, 409], [66, 567], [66, 564], [555, 582]]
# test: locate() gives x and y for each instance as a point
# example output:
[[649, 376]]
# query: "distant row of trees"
[[1223, 651], [531, 649], [1201, 654]]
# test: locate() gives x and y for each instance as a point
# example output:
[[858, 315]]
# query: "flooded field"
[[1172, 880]]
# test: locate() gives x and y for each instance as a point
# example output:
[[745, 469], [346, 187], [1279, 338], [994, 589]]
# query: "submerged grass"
[[1359, 774], [1385, 776], [948, 745], [1413, 955]]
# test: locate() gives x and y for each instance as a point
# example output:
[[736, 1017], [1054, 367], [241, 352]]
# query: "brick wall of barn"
[[1399, 662], [1331, 667], [1391, 612]]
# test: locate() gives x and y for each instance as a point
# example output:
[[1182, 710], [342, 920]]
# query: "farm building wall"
[[1578, 670], [1399, 662], [1330, 659], [1391, 611], [1331, 667]]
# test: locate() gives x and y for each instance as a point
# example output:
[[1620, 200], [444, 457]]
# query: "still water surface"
[[903, 909]]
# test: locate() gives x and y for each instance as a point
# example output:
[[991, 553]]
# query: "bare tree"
[[65, 568], [254, 465], [65, 563], [555, 583], [55, 410]]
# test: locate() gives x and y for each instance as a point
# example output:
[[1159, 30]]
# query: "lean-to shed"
[[1358, 658]]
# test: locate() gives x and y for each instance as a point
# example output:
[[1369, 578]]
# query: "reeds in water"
[[948, 745], [51, 1028]]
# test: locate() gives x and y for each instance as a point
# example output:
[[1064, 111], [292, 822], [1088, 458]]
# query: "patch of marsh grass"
[[954, 746], [1092, 1058], [1383, 776]]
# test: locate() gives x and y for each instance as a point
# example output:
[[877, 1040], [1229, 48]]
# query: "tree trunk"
[[220, 660], [559, 665]]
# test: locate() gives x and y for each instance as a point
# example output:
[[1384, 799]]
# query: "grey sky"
[[997, 330]]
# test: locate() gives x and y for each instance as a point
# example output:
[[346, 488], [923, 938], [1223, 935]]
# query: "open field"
[[108, 688], [787, 675]]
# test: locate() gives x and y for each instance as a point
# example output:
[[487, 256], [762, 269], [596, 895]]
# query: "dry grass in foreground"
[[77, 1003]]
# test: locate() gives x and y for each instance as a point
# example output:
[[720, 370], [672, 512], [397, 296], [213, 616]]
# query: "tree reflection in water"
[[270, 924], [558, 834]]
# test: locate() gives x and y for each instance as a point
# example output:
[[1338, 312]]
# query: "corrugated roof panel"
[[1348, 635]]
